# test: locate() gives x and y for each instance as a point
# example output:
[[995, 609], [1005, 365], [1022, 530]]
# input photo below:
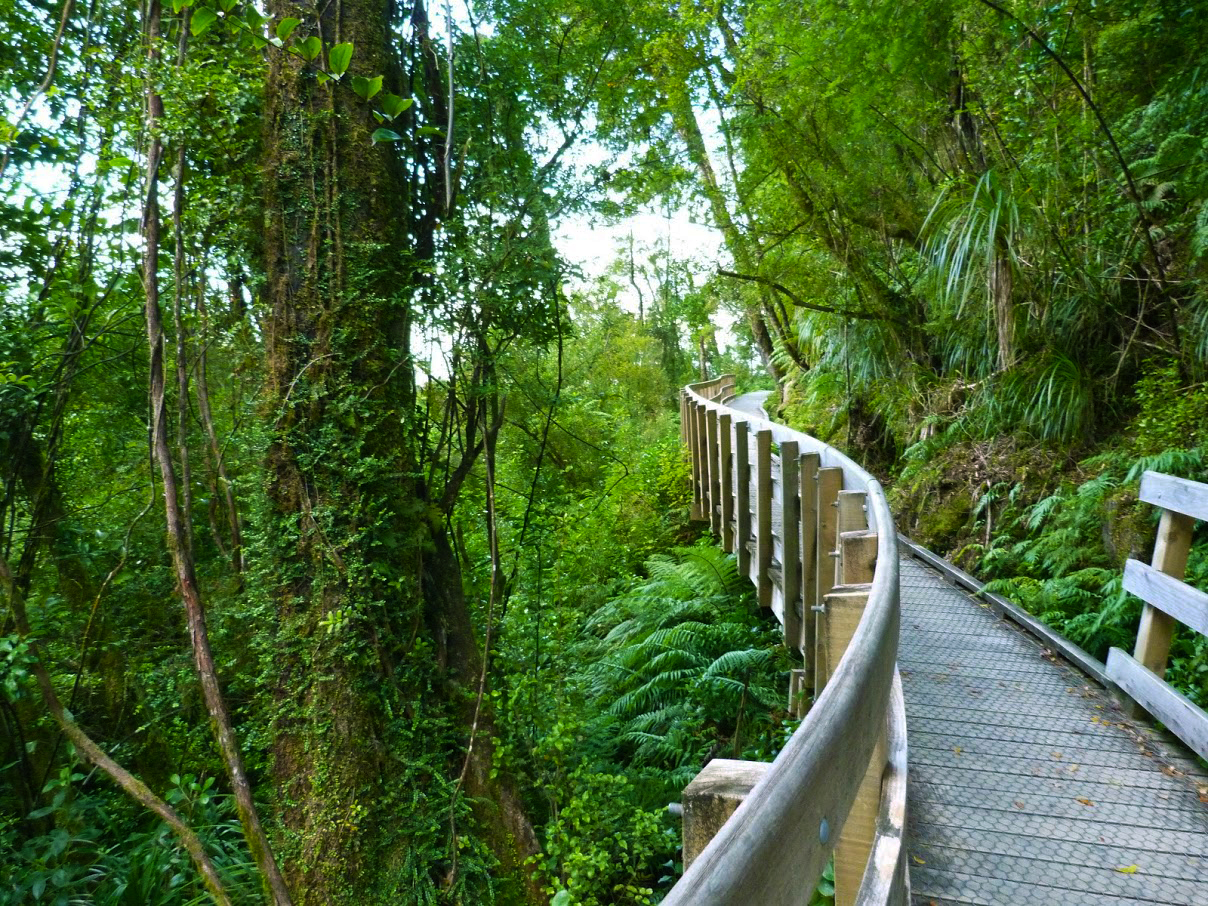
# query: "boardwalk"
[[1027, 784]]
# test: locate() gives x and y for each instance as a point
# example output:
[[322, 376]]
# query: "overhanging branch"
[[812, 306]]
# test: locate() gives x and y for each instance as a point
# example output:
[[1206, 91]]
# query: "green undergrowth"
[[1051, 528], [99, 849], [678, 666]]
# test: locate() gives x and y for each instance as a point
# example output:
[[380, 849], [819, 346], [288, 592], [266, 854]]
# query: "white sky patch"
[[593, 246]]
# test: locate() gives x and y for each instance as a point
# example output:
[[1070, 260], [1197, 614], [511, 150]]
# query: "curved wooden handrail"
[[852, 744]]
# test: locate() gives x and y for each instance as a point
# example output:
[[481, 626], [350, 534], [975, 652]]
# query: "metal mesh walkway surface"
[[1028, 784]]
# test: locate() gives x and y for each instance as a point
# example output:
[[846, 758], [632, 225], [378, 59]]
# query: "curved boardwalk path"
[[1027, 783]]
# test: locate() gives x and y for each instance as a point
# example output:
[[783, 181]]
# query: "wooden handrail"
[[840, 779], [1167, 601]]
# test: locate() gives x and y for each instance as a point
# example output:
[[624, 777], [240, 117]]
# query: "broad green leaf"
[[385, 135], [227, 5], [254, 20], [366, 88], [393, 105], [286, 27], [310, 48], [203, 18], [338, 59], [178, 5], [322, 77]]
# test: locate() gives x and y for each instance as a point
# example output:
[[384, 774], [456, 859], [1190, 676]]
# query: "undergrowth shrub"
[[1062, 557], [100, 849], [678, 668]]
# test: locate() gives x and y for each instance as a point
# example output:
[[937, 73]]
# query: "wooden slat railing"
[[1167, 601], [813, 531]]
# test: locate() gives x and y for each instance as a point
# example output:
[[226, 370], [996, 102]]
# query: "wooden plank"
[[763, 515], [713, 457], [808, 472], [885, 877], [1169, 556], [1174, 598], [713, 796], [698, 461], [742, 495], [1181, 495], [726, 453], [830, 482], [851, 516], [857, 557], [859, 831], [1181, 716], [844, 608], [790, 542]]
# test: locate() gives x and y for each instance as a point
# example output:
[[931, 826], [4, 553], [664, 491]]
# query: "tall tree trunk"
[[348, 526], [373, 629], [1001, 291], [684, 119]]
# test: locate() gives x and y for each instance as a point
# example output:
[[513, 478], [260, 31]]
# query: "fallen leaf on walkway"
[[920, 861], [1128, 870], [1019, 803], [1084, 801], [957, 749], [1057, 755]]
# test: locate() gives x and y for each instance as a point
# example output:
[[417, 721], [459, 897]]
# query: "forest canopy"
[[344, 541]]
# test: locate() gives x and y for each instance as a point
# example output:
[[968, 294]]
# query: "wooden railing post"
[[763, 515], [742, 495], [714, 471], [844, 609], [712, 797], [830, 481], [1156, 629], [851, 516], [726, 452], [702, 469], [1169, 556], [790, 542], [808, 472]]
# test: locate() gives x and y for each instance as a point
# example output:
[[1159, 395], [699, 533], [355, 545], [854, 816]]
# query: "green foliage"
[[99, 850], [1062, 556], [680, 665], [601, 849], [673, 670]]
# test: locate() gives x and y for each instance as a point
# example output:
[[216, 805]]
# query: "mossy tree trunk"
[[347, 522], [376, 655]]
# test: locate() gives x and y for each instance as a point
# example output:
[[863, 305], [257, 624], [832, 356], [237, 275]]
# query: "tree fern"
[[683, 659]]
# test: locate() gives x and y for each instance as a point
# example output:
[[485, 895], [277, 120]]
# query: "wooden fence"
[[1167, 600], [814, 533]]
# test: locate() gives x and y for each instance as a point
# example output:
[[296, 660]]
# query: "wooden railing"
[[814, 533], [1167, 600]]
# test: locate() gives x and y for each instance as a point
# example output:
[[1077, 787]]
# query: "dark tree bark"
[[373, 628], [348, 526]]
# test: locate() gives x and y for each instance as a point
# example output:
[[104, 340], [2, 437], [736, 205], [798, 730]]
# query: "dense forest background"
[[345, 542]]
